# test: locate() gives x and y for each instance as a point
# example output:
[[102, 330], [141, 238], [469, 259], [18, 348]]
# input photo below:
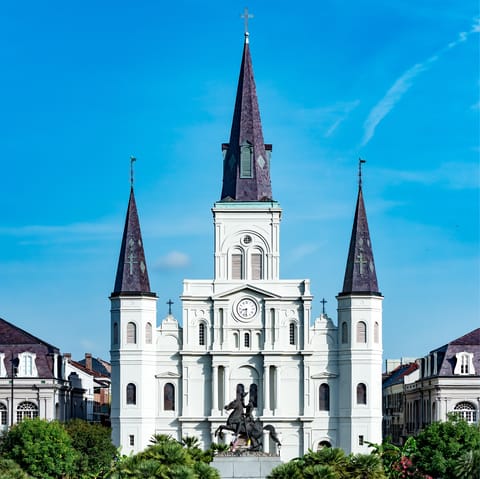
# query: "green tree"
[[443, 448], [11, 470], [41, 448], [366, 466], [94, 446]]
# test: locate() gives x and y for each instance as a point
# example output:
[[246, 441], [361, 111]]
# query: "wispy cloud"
[[403, 84], [453, 175], [172, 260]]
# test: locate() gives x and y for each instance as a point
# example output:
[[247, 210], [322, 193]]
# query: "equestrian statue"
[[244, 426]]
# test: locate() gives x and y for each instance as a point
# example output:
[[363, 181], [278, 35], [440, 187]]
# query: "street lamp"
[[15, 362]]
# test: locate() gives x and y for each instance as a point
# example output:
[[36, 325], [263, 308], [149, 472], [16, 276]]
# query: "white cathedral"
[[247, 330]]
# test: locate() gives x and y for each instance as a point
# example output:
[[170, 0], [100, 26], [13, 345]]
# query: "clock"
[[246, 308]]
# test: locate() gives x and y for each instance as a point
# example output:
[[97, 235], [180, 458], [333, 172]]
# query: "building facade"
[[446, 381], [247, 329]]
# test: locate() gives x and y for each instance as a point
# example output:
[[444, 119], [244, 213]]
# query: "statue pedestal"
[[245, 465]]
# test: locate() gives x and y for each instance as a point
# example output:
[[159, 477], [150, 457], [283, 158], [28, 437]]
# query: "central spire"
[[246, 165]]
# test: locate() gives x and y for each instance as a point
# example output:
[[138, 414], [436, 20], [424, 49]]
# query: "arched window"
[[324, 397], [246, 340], [148, 333], [344, 333], [131, 394], [253, 394], [361, 332], [237, 265], [240, 391], [236, 340], [466, 411], [131, 333], [257, 265], [26, 410], [361, 394], [3, 414], [169, 397], [376, 332], [201, 334], [115, 333], [292, 333]]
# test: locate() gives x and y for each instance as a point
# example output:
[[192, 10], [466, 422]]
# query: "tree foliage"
[[94, 447], [449, 449], [11, 470], [41, 448]]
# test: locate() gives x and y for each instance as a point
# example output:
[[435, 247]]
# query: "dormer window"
[[26, 366], [464, 365], [246, 170]]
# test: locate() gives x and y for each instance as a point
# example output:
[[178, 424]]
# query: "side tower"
[[133, 325], [360, 341]]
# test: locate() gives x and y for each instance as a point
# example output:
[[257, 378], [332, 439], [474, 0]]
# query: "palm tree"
[[366, 466]]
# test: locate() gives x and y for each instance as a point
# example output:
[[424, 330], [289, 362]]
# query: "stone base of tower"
[[245, 466]]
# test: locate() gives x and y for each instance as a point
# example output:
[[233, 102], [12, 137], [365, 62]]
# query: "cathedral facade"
[[247, 332]]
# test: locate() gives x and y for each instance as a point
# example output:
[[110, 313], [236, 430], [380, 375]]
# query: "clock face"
[[246, 308]]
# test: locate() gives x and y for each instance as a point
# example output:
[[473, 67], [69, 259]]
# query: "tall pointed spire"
[[132, 275], [360, 274], [246, 166]]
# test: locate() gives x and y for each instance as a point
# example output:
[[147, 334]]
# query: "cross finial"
[[323, 301], [169, 302], [246, 16], [360, 161], [132, 161]]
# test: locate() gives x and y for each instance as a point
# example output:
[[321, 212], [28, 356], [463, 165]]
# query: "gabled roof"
[[360, 274], [13, 335], [246, 142], [397, 375], [246, 288], [99, 366], [132, 275]]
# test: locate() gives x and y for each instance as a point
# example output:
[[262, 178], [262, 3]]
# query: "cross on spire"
[[132, 160], [246, 16], [323, 301], [169, 302], [360, 161]]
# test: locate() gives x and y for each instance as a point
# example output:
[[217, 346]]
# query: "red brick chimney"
[[88, 361]]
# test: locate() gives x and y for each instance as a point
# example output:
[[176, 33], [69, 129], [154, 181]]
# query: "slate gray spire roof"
[[132, 275], [360, 274], [246, 166]]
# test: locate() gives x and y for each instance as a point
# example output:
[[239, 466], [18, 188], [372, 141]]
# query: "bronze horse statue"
[[244, 425]]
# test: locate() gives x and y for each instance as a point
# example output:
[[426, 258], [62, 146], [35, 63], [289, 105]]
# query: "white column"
[[226, 385], [278, 395], [266, 391], [266, 441], [214, 390]]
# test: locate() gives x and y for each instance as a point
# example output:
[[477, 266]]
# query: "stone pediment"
[[167, 375], [323, 375], [246, 288]]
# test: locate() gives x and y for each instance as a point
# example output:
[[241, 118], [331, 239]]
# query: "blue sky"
[[85, 85]]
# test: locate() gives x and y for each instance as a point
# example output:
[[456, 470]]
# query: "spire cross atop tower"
[[360, 161], [361, 261], [132, 161], [246, 16], [169, 302], [323, 301]]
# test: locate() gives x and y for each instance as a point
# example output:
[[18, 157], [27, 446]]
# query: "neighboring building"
[[38, 388], [246, 329], [445, 381], [101, 371]]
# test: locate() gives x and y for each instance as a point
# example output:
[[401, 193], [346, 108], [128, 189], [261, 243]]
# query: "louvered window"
[[237, 266], [201, 334], [148, 333], [292, 333], [361, 332], [246, 160], [131, 394], [376, 333], [257, 267], [344, 333], [246, 341], [131, 333]]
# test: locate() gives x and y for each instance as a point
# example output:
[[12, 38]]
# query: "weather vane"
[[360, 161], [246, 16], [132, 160]]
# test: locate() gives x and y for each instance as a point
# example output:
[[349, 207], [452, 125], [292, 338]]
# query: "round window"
[[247, 239]]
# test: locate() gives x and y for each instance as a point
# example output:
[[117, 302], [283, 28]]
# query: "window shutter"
[[237, 266], [257, 270]]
